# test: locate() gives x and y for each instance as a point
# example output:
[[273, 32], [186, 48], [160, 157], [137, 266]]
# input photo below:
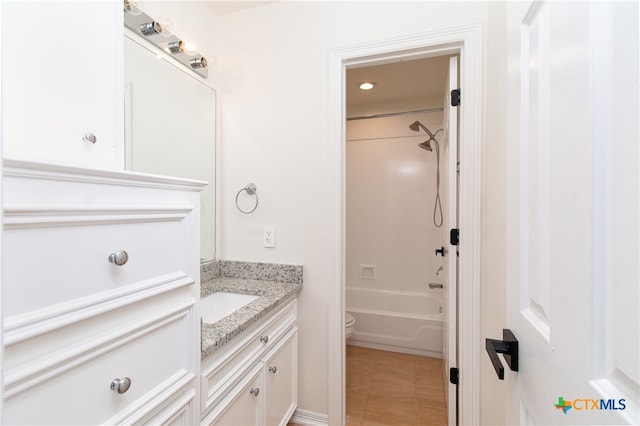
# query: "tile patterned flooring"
[[389, 388]]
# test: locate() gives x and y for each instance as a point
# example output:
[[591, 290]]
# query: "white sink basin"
[[218, 305]]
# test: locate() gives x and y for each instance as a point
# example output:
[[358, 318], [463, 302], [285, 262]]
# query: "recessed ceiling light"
[[367, 85]]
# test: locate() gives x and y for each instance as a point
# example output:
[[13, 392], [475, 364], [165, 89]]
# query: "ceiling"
[[419, 78], [405, 79], [230, 6]]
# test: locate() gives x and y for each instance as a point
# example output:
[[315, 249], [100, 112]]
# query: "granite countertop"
[[272, 293]]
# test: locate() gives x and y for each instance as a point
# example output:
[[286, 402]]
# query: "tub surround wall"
[[391, 190]]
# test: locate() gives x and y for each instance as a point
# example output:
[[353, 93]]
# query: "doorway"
[[466, 43], [400, 204]]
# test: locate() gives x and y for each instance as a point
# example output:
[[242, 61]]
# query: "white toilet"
[[349, 325]]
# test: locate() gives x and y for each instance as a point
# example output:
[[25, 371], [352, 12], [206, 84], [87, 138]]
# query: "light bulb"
[[167, 26], [133, 7], [211, 60], [189, 48]]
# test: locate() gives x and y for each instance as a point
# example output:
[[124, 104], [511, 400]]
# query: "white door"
[[450, 175], [572, 200]]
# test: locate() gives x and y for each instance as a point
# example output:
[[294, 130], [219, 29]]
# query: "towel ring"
[[251, 189]]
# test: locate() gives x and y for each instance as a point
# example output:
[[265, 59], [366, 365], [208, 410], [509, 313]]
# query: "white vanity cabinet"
[[100, 296], [62, 73], [253, 381]]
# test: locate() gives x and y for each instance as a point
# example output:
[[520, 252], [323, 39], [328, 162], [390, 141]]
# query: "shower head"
[[426, 145], [416, 126]]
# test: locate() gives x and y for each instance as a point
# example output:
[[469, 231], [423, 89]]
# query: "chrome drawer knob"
[[254, 391], [121, 385], [90, 138], [273, 369], [119, 257], [264, 339]]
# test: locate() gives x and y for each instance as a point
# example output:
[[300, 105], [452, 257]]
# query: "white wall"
[[273, 83], [390, 190]]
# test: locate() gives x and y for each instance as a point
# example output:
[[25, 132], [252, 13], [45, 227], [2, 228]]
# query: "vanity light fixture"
[[198, 63], [367, 85], [150, 28], [181, 50]]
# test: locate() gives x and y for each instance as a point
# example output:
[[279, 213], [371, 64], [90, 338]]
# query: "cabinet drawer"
[[223, 370], [180, 410], [68, 260], [73, 386], [274, 330]]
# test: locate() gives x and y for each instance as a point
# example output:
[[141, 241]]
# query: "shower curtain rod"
[[392, 114]]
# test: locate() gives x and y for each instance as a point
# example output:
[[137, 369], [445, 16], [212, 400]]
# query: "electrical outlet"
[[269, 236]]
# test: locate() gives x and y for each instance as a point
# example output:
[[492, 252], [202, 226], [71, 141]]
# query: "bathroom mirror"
[[170, 125]]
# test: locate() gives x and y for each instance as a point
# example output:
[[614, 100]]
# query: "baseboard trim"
[[393, 348], [309, 418]]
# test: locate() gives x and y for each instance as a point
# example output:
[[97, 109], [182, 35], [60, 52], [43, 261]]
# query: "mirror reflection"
[[170, 126]]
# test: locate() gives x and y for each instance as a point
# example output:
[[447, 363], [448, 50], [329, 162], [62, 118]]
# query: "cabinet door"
[[281, 378], [62, 79], [243, 405]]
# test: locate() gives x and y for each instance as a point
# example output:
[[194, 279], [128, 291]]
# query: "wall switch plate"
[[269, 236]]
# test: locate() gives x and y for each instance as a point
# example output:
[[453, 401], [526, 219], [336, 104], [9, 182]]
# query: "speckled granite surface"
[[210, 270], [262, 271], [273, 294]]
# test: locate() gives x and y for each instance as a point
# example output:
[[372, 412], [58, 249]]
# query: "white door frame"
[[466, 41]]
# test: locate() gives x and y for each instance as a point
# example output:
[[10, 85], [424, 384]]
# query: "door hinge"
[[453, 375], [455, 97], [454, 236]]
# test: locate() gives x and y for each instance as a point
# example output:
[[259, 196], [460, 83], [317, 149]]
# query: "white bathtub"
[[396, 321]]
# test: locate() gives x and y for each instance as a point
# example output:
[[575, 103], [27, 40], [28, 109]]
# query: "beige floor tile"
[[429, 369], [356, 399], [353, 420], [388, 388], [390, 411], [432, 384], [427, 361], [435, 396], [384, 375], [361, 354], [391, 391], [359, 374], [431, 416], [395, 359]]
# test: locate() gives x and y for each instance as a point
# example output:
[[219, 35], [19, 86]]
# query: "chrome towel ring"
[[250, 189]]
